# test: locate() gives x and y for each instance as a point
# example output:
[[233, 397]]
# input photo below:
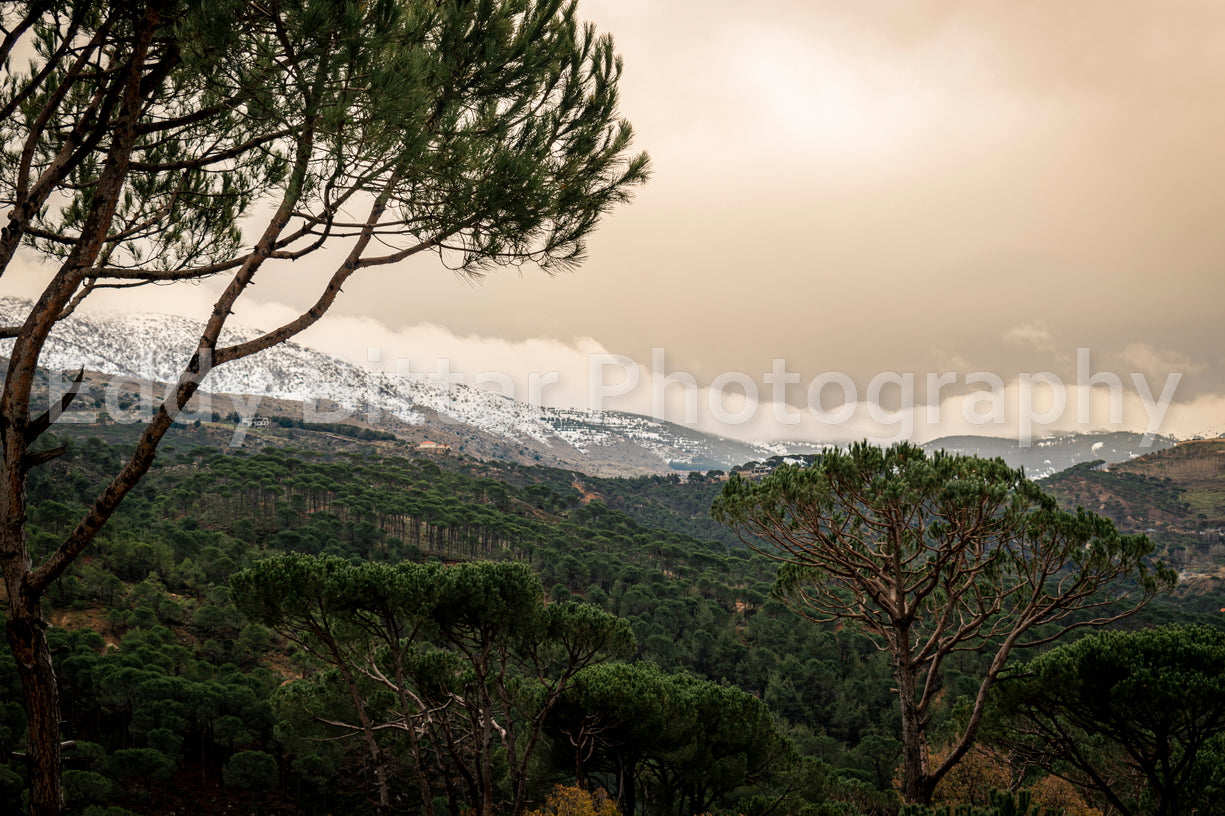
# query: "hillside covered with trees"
[[1176, 496], [272, 630]]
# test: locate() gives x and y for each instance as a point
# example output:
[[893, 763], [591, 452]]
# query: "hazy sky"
[[908, 186]]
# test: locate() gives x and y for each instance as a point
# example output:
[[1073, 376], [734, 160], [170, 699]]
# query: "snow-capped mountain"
[[154, 347], [1051, 454]]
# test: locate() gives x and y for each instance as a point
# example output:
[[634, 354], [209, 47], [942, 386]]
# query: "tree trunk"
[[368, 738], [916, 785], [27, 636], [627, 785], [485, 764], [580, 778], [27, 632]]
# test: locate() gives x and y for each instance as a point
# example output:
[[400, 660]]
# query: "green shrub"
[[85, 788], [252, 770]]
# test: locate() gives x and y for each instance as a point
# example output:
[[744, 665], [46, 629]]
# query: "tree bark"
[[27, 636], [26, 630], [918, 784], [914, 760]]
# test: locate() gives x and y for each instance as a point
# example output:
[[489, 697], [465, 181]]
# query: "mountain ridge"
[[147, 349]]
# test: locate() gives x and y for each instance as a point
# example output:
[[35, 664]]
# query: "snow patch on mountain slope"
[[155, 347]]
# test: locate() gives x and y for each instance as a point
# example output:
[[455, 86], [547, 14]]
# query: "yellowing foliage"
[[571, 800], [1053, 792], [971, 781], [984, 770]]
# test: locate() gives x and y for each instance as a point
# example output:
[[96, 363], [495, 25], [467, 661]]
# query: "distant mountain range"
[[1057, 452], [150, 348]]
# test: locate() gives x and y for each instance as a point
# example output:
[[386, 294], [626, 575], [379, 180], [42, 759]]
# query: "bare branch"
[[42, 422]]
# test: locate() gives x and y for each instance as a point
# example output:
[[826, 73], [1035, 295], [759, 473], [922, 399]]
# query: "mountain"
[[1179, 487], [297, 383], [147, 349], [1176, 495], [1051, 454]]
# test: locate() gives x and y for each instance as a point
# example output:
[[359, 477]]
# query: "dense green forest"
[[324, 629]]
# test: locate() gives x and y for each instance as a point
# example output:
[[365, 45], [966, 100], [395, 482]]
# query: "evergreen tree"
[[936, 555], [168, 141]]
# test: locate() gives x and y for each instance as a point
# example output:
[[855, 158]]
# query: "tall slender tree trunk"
[[27, 636], [485, 763], [27, 633], [367, 736]]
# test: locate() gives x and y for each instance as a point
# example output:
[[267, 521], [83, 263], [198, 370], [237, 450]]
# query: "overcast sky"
[[907, 186]]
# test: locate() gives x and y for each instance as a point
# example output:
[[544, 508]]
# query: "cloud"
[[548, 370], [1035, 333], [755, 405], [1159, 362], [1203, 415]]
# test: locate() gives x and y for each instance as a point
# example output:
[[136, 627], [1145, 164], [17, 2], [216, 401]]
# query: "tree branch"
[[43, 421]]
